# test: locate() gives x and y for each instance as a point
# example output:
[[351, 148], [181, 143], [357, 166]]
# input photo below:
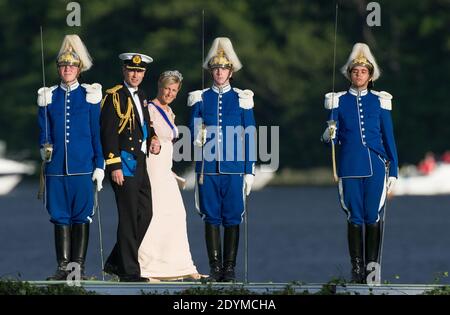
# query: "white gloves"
[[42, 151], [329, 133], [248, 182], [46, 153], [200, 139], [391, 183], [98, 176]]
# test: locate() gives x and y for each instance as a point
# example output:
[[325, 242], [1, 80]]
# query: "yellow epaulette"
[[114, 89], [128, 116], [111, 91]]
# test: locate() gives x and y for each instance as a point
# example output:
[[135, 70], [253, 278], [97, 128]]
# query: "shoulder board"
[[245, 98], [195, 97], [385, 99], [114, 89], [332, 99], [45, 95], [93, 92]]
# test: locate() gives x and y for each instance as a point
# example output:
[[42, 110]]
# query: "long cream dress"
[[164, 253]]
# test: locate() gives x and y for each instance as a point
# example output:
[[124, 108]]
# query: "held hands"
[[329, 133], [391, 183], [248, 182], [155, 146], [98, 177]]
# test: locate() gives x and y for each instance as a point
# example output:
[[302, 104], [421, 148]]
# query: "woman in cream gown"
[[164, 253]]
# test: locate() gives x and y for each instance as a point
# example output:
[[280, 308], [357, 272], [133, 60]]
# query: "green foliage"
[[10, 287], [286, 48], [444, 290], [210, 290]]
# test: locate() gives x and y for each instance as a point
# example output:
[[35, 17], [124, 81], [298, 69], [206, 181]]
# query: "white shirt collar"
[[222, 89], [130, 88], [354, 91], [72, 87]]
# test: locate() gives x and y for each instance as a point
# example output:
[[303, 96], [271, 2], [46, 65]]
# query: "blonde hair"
[[170, 77]]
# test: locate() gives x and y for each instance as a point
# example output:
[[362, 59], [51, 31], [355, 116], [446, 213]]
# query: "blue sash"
[[163, 114], [144, 131]]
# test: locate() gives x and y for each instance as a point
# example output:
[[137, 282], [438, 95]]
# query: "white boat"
[[437, 182], [11, 172], [263, 175]]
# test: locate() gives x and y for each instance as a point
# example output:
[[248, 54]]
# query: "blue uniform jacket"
[[73, 127], [364, 123], [231, 131]]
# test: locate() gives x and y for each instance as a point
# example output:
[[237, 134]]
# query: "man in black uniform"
[[127, 138]]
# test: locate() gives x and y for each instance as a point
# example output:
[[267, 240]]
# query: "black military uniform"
[[123, 135]]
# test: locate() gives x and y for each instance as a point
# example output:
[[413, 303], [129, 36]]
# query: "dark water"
[[295, 234]]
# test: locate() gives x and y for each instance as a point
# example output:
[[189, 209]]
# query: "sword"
[[48, 148], [332, 122], [380, 256], [97, 209], [200, 180], [245, 240]]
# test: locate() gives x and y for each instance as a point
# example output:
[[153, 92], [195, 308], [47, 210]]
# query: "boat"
[[12, 172], [436, 182], [263, 175]]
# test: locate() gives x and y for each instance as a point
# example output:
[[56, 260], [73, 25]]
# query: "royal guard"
[[127, 138], [69, 137], [223, 125], [361, 124]]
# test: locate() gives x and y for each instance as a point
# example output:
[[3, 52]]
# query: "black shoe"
[[80, 239], [60, 275], [110, 269], [358, 271], [62, 246], [215, 274], [373, 240], [133, 279], [355, 246], [230, 249], [228, 274], [214, 248]]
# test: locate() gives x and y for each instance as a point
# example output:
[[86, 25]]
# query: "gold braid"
[[129, 114]]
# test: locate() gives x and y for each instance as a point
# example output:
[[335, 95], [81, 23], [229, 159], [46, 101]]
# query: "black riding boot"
[[373, 237], [355, 246], [230, 248], [214, 248], [80, 239], [62, 246]]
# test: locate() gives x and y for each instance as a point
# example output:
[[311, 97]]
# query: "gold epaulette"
[[111, 91], [128, 116], [114, 89]]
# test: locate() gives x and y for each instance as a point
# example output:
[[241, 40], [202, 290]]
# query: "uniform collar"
[[130, 88], [72, 87], [222, 89], [354, 91]]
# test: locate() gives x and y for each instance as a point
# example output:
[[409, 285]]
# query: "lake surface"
[[295, 234]]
